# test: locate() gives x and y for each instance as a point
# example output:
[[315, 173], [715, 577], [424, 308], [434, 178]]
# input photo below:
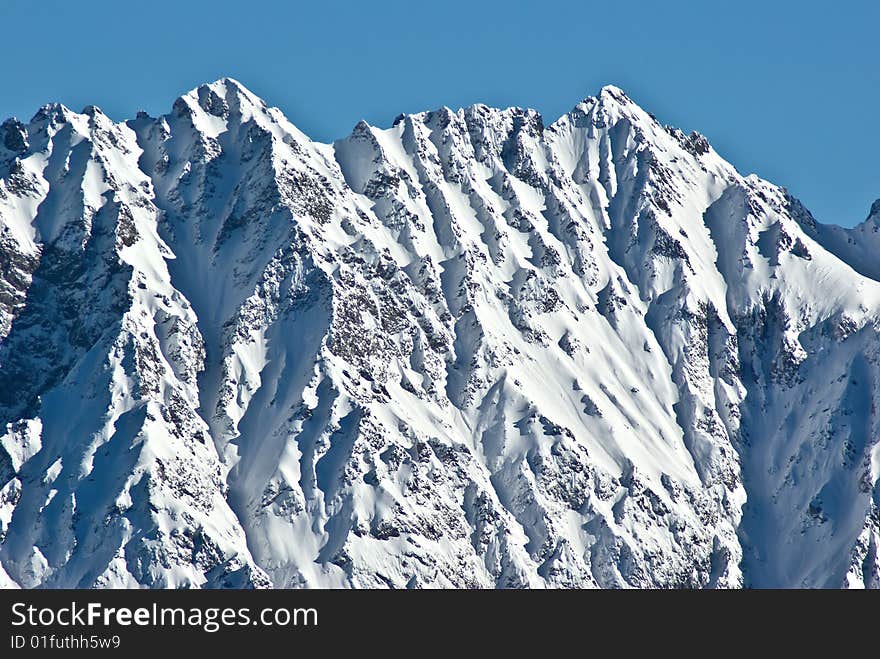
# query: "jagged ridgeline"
[[468, 350]]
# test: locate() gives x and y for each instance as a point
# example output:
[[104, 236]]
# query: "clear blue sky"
[[789, 90]]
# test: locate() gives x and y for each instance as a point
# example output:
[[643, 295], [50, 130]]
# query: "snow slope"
[[468, 350]]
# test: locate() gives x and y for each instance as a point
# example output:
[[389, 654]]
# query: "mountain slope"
[[469, 350]]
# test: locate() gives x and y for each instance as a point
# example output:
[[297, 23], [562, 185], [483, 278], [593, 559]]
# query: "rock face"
[[469, 350]]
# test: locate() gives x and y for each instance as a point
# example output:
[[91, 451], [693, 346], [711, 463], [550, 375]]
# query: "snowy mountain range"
[[468, 350]]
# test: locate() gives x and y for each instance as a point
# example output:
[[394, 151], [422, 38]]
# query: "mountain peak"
[[52, 112], [614, 93], [221, 99]]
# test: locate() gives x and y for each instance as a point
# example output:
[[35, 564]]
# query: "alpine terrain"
[[469, 350]]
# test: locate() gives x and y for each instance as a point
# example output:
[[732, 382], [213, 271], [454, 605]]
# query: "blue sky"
[[789, 90]]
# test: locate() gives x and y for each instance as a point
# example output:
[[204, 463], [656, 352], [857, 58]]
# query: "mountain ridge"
[[466, 350]]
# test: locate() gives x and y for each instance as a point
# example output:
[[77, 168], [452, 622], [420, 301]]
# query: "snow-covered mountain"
[[468, 350]]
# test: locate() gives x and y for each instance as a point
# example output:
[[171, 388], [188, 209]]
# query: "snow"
[[466, 350]]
